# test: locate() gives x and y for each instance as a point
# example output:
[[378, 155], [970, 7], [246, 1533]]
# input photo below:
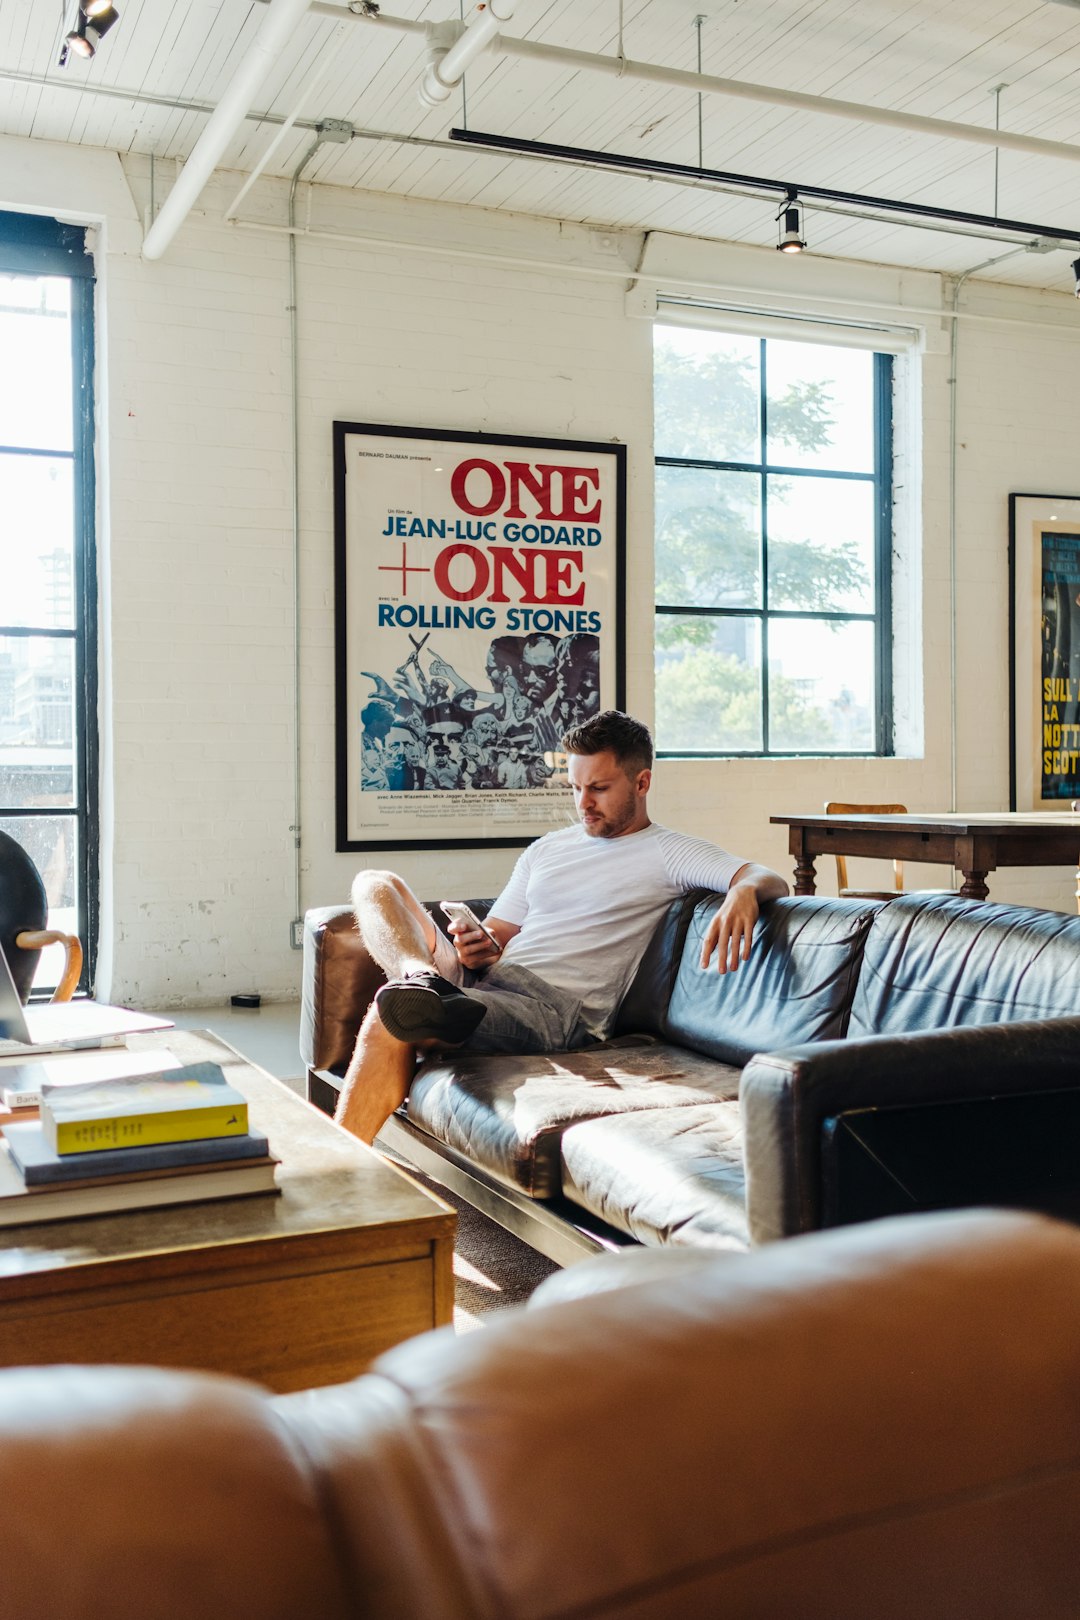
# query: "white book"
[[21, 1083]]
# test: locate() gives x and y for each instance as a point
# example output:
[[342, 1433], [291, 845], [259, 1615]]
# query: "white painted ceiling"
[[163, 67]]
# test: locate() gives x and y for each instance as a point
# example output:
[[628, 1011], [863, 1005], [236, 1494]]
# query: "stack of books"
[[130, 1141]]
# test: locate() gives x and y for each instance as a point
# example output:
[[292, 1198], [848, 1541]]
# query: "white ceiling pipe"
[[709, 84], [281, 19], [442, 76], [322, 69]]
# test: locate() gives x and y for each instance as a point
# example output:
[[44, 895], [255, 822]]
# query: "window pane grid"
[[822, 676], [769, 467], [755, 613], [47, 662]]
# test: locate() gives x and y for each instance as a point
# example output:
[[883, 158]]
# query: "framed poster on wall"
[[1044, 651], [479, 612]]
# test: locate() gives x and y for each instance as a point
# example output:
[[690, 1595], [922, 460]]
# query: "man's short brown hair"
[[612, 730]]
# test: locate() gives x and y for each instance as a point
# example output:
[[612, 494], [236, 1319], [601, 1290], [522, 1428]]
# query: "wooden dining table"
[[972, 844]]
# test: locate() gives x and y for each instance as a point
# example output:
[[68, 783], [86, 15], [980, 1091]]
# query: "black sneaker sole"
[[414, 1013]]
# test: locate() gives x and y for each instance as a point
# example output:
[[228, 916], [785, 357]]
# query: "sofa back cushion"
[[939, 962], [797, 985]]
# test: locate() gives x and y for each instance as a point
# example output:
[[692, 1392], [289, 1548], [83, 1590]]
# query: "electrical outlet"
[[296, 934]]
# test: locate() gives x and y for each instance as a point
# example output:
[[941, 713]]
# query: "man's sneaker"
[[427, 1007]]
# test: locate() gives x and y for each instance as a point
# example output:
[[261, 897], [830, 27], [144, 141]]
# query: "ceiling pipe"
[[708, 84], [279, 23], [322, 69], [447, 69]]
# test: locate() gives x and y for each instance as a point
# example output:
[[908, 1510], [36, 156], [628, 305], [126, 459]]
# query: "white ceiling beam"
[[738, 89], [282, 18]]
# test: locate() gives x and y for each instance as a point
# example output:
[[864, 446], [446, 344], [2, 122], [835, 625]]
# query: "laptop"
[[61, 1026]]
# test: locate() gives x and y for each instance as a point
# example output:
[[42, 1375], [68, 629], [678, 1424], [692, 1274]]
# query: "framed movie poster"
[[479, 602], [1044, 651]]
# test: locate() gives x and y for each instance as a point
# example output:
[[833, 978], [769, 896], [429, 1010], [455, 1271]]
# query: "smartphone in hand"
[[458, 911]]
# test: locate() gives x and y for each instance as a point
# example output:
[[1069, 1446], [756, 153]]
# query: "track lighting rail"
[[1048, 235]]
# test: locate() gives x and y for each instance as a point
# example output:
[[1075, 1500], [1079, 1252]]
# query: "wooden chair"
[[835, 808], [24, 931]]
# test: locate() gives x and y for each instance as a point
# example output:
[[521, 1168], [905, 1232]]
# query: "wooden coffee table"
[[295, 1289]]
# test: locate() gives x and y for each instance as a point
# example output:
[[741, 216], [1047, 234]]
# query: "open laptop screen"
[[13, 1025], [58, 1025]]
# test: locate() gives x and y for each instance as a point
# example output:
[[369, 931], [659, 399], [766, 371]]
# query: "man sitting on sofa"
[[562, 941]]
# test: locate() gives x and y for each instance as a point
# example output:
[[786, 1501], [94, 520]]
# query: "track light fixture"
[[100, 16], [93, 20], [790, 222]]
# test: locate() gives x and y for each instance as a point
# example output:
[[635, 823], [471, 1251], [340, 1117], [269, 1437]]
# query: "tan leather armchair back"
[[879, 1421]]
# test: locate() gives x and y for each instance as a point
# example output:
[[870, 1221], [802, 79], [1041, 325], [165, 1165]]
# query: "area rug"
[[493, 1270]]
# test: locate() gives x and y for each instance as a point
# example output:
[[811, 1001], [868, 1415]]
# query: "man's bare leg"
[[400, 936], [394, 926], [377, 1080]]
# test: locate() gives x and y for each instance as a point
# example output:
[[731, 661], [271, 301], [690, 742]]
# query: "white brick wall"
[[197, 546]]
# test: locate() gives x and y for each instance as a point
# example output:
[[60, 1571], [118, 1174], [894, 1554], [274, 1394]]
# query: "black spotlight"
[[76, 43], [93, 20], [791, 226], [100, 15]]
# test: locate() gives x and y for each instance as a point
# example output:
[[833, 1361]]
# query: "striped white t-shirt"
[[587, 907]]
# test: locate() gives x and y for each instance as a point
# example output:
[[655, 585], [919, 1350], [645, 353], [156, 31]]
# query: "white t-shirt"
[[587, 907]]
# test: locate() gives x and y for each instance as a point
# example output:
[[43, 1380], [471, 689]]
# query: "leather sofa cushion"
[[508, 1113], [623, 1268], [940, 962], [665, 1176], [797, 985]]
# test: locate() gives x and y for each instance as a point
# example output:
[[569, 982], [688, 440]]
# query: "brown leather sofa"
[[872, 1424], [868, 1059]]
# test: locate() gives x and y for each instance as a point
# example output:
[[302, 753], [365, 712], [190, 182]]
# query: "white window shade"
[[883, 338]]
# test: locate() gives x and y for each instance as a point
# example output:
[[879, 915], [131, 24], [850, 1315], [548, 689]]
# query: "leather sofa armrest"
[[786, 1098], [339, 982]]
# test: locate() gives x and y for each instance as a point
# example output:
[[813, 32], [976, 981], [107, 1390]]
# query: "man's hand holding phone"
[[476, 946]]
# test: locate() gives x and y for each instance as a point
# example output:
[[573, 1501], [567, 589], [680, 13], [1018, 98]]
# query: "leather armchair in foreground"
[[869, 1424]]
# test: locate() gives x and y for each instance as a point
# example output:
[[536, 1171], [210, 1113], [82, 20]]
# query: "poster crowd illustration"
[[478, 607]]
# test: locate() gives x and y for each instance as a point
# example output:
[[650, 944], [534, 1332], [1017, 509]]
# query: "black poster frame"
[[463, 818]]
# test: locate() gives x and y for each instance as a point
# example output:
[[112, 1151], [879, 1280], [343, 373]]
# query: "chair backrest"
[[23, 907], [835, 807]]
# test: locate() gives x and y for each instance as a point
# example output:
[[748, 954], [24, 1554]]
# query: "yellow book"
[[182, 1105]]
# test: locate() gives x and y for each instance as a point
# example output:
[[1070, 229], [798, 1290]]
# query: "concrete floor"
[[267, 1035]]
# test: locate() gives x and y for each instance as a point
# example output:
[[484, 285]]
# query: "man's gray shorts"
[[524, 1013]]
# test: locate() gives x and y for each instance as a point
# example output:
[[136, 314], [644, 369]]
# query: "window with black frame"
[[48, 779], [773, 544]]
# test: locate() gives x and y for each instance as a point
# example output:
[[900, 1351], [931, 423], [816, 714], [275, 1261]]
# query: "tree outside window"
[[773, 498]]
